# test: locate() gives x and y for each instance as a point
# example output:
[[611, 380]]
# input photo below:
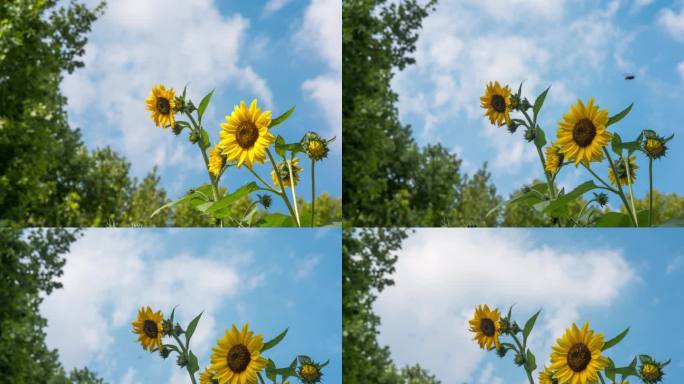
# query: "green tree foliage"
[[368, 258], [668, 208], [30, 264]]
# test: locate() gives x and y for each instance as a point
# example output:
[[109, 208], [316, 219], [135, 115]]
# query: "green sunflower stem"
[[184, 348], [282, 190], [629, 184], [292, 187], [522, 351], [632, 217], [313, 192], [549, 182], [650, 191], [608, 187]]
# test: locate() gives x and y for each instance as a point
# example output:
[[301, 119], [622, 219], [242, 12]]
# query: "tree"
[[368, 258], [30, 264]]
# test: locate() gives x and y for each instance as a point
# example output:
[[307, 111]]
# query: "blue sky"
[[581, 48], [281, 52], [611, 278], [273, 279]]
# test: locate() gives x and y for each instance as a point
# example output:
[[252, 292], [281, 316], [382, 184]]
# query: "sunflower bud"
[[167, 327], [655, 147], [501, 352], [179, 104], [519, 359], [310, 373], [314, 146], [194, 137], [182, 361], [515, 328], [265, 200], [601, 198], [651, 371], [530, 134], [165, 352], [177, 330], [513, 126], [177, 129]]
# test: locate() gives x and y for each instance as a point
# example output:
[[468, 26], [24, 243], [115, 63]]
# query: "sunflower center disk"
[[163, 106], [498, 103], [238, 358], [247, 134], [579, 356], [584, 132], [487, 327], [150, 328]]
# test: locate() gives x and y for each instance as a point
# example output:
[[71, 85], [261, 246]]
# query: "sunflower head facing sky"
[[582, 134], [237, 357], [161, 104], [497, 102], [622, 171], [576, 358], [284, 171], [244, 137], [148, 326], [485, 324]]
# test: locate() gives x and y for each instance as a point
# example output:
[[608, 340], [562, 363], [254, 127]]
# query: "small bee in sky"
[[629, 76]]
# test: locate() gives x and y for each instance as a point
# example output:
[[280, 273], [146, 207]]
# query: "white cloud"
[[465, 44], [274, 6], [321, 34], [680, 70], [441, 275], [638, 5], [673, 22], [137, 44], [109, 274], [129, 377], [306, 266], [675, 264]]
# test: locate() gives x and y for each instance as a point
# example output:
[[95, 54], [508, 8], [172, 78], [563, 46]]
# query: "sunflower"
[[554, 160], [237, 357], [245, 136], [284, 171], [622, 171], [216, 161], [655, 147], [582, 134], [149, 327], [486, 327], [161, 104], [576, 358], [546, 377], [310, 373], [497, 102], [651, 371], [207, 377]]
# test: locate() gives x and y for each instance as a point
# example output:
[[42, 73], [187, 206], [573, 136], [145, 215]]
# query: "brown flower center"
[[238, 358], [579, 356], [247, 134], [150, 329], [163, 105], [487, 327], [498, 103], [584, 132]]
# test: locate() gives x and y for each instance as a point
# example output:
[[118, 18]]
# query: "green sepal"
[[281, 119], [275, 341], [612, 342], [615, 118], [203, 104]]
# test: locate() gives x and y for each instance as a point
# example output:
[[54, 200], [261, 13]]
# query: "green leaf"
[[233, 197], [276, 220], [615, 118], [530, 197], [530, 361], [273, 342], [539, 137], [558, 207], [281, 119], [612, 342], [529, 325], [203, 104], [610, 370], [204, 139], [282, 148], [191, 328], [615, 144], [194, 197], [538, 103], [270, 370], [613, 219], [193, 364]]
